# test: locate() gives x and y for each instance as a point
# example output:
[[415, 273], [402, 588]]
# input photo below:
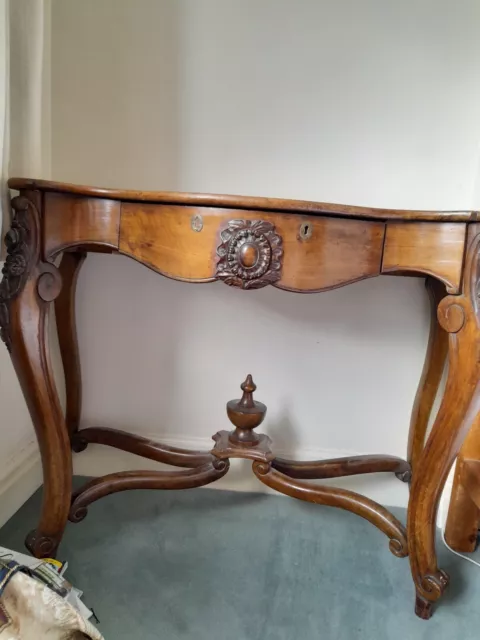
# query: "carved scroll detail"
[[15, 269], [41, 546], [250, 254]]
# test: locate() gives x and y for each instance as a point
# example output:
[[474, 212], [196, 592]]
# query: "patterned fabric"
[[29, 610]]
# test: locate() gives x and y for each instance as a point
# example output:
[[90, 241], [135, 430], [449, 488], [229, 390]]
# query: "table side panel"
[[336, 251], [433, 248], [71, 221]]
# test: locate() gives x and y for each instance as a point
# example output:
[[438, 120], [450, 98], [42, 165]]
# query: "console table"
[[247, 243]]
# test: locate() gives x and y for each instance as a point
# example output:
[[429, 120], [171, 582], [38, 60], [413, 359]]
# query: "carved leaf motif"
[[16, 264], [238, 224], [260, 226], [256, 284], [241, 240]]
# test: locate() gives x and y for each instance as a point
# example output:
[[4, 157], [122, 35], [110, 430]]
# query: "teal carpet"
[[209, 565]]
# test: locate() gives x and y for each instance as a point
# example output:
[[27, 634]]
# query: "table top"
[[244, 202]]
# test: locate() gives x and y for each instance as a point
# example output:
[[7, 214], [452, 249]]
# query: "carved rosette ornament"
[[250, 254], [15, 269]]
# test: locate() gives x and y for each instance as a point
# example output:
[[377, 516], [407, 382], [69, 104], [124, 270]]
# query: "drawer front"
[[293, 252]]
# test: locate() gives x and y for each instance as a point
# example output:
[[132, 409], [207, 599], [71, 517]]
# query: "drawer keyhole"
[[197, 222], [306, 231]]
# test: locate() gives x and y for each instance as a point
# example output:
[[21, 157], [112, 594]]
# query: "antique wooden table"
[[247, 243]]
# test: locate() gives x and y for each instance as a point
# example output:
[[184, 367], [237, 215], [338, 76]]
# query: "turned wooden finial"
[[246, 414], [248, 387]]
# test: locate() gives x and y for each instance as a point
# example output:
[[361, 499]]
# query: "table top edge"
[[242, 202]]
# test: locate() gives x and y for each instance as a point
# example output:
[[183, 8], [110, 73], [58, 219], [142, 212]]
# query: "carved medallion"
[[250, 254], [15, 268]]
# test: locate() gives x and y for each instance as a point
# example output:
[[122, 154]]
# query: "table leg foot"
[[423, 607], [41, 546]]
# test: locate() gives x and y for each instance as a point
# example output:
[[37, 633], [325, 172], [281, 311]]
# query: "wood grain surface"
[[242, 202], [434, 249], [336, 251], [73, 221]]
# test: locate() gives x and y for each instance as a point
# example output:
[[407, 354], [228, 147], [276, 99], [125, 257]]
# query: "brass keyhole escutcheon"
[[197, 222], [306, 230]]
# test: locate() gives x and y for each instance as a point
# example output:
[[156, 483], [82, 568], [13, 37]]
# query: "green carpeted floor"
[[208, 565]]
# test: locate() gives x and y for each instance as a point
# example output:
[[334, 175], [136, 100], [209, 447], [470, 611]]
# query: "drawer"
[[290, 251]]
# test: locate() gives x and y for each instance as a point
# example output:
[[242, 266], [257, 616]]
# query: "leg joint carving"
[[18, 241], [432, 586]]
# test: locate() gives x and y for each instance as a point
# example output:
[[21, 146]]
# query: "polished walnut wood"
[[246, 414], [140, 446], [127, 480], [243, 442], [433, 368], [317, 253], [246, 243], [424, 247], [463, 521], [80, 221], [242, 202], [28, 286], [67, 336], [341, 467], [340, 498], [459, 317]]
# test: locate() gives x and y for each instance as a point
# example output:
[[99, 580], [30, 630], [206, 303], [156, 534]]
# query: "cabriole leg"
[[431, 375], [459, 317], [67, 337], [27, 288]]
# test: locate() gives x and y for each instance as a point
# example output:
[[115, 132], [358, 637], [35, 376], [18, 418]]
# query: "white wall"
[[27, 85], [368, 103]]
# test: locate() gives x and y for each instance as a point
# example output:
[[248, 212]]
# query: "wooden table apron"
[[248, 243]]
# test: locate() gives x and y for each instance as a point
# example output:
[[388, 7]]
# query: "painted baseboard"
[[20, 477]]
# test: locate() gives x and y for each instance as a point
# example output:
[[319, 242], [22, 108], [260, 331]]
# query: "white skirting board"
[[20, 475]]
